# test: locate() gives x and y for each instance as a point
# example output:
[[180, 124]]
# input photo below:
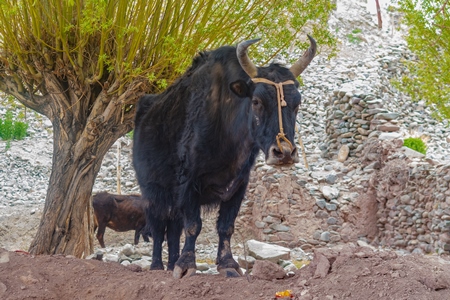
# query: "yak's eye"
[[256, 102]]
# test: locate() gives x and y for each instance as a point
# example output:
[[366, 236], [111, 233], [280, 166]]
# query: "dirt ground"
[[343, 272]]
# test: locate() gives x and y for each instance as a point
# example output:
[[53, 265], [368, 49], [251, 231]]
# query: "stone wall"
[[286, 206], [352, 118], [413, 205], [380, 191], [283, 213]]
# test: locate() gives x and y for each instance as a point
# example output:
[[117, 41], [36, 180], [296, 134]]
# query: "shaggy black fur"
[[195, 144]]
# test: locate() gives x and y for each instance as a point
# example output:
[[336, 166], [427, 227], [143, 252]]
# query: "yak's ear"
[[241, 88]]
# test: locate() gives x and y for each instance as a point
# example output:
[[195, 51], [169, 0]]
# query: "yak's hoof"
[[156, 267], [170, 267], [185, 265], [178, 272], [229, 272], [228, 267]]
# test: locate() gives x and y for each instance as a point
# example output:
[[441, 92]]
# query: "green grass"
[[12, 129], [301, 263], [416, 144]]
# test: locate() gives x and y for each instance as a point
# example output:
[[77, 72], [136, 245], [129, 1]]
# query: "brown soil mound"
[[345, 272]]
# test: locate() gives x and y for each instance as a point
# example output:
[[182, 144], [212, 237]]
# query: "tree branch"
[[30, 100], [442, 9]]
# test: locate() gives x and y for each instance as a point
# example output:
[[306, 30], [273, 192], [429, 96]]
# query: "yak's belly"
[[213, 191]]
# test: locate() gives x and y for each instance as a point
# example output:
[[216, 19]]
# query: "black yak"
[[196, 142]]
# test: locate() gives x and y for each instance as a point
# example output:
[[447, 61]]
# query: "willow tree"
[[428, 38], [84, 64]]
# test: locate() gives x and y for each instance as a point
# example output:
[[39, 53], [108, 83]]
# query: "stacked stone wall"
[[414, 206], [352, 118], [382, 193]]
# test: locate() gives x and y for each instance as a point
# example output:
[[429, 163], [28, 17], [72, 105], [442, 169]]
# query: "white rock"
[[111, 258], [290, 268], [389, 135], [202, 267], [128, 250], [329, 192], [412, 153], [144, 264], [246, 261], [264, 251]]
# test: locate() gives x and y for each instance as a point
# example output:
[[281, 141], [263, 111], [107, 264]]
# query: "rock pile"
[[279, 260]]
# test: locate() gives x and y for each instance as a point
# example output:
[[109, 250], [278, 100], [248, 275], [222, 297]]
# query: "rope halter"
[[281, 103]]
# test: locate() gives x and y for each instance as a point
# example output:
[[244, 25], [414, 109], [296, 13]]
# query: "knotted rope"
[[281, 103]]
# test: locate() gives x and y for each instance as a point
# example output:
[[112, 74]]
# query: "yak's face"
[[276, 139], [274, 117]]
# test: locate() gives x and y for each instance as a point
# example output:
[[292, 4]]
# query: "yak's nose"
[[284, 156]]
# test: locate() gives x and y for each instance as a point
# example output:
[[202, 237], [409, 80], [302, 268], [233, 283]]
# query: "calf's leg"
[[146, 234], [137, 233], [101, 233], [145, 237]]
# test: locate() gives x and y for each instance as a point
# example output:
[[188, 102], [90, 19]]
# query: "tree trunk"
[[380, 21], [83, 131], [67, 222]]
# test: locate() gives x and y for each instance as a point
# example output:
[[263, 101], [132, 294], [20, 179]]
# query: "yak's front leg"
[[228, 212], [185, 265]]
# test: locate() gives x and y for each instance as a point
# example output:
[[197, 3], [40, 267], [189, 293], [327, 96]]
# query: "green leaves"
[[428, 38], [125, 41]]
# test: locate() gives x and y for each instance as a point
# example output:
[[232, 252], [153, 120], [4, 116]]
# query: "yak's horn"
[[301, 64], [245, 62]]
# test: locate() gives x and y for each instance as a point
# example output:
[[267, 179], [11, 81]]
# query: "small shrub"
[[416, 144], [20, 130], [6, 129], [9, 101], [391, 9], [353, 38], [11, 129]]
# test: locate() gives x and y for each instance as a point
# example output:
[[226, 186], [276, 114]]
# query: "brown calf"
[[120, 213]]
